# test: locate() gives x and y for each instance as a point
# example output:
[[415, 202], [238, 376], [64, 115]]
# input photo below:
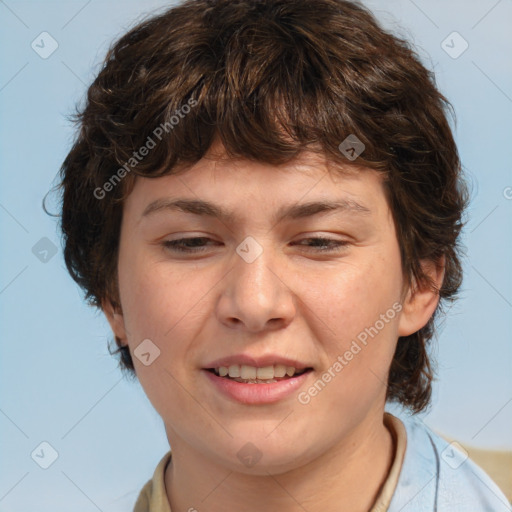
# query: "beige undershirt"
[[153, 497]]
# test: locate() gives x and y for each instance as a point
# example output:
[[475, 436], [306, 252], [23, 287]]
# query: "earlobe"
[[115, 318], [421, 299]]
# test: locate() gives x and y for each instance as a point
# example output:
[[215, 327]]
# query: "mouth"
[[258, 375], [257, 385]]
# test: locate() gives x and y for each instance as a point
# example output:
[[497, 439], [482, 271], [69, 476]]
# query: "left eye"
[[324, 244], [198, 244]]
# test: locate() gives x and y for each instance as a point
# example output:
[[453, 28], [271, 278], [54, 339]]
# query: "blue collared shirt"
[[438, 477]]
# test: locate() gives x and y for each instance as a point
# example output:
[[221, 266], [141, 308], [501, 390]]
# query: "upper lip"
[[258, 362]]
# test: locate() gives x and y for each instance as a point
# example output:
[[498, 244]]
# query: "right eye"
[[190, 245]]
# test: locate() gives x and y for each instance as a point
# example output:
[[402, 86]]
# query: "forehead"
[[258, 187]]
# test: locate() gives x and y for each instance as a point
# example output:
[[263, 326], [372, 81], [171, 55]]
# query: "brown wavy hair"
[[269, 78]]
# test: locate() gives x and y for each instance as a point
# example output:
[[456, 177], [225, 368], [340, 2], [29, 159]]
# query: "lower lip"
[[257, 393]]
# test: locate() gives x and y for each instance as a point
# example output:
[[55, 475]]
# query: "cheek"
[[155, 296], [353, 296], [163, 305], [355, 315]]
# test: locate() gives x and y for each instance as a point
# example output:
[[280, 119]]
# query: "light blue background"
[[58, 382]]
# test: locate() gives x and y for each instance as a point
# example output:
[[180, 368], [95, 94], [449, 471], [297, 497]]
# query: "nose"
[[255, 295]]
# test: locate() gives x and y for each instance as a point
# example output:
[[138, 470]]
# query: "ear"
[[420, 299], [115, 319]]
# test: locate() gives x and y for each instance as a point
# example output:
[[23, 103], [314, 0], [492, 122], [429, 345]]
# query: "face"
[[267, 281]]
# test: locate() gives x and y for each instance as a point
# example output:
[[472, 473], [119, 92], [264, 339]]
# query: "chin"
[[261, 457], [273, 465]]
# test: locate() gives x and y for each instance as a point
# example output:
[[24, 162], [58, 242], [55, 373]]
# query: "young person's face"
[[294, 301]]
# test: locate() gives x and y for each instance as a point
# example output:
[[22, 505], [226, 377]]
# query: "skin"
[[331, 454]]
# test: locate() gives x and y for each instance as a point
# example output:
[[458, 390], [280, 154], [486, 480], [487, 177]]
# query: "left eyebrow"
[[296, 211]]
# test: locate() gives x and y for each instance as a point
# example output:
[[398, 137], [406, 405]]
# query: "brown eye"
[[191, 245], [323, 244]]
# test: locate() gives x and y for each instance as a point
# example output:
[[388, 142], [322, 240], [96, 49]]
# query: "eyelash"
[[178, 244]]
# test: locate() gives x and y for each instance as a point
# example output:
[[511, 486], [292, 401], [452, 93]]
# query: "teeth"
[[279, 370], [267, 372], [234, 370], [252, 373], [248, 372]]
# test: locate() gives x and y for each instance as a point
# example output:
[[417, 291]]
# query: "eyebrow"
[[295, 211]]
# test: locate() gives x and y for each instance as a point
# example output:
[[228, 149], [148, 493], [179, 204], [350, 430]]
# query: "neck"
[[347, 477]]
